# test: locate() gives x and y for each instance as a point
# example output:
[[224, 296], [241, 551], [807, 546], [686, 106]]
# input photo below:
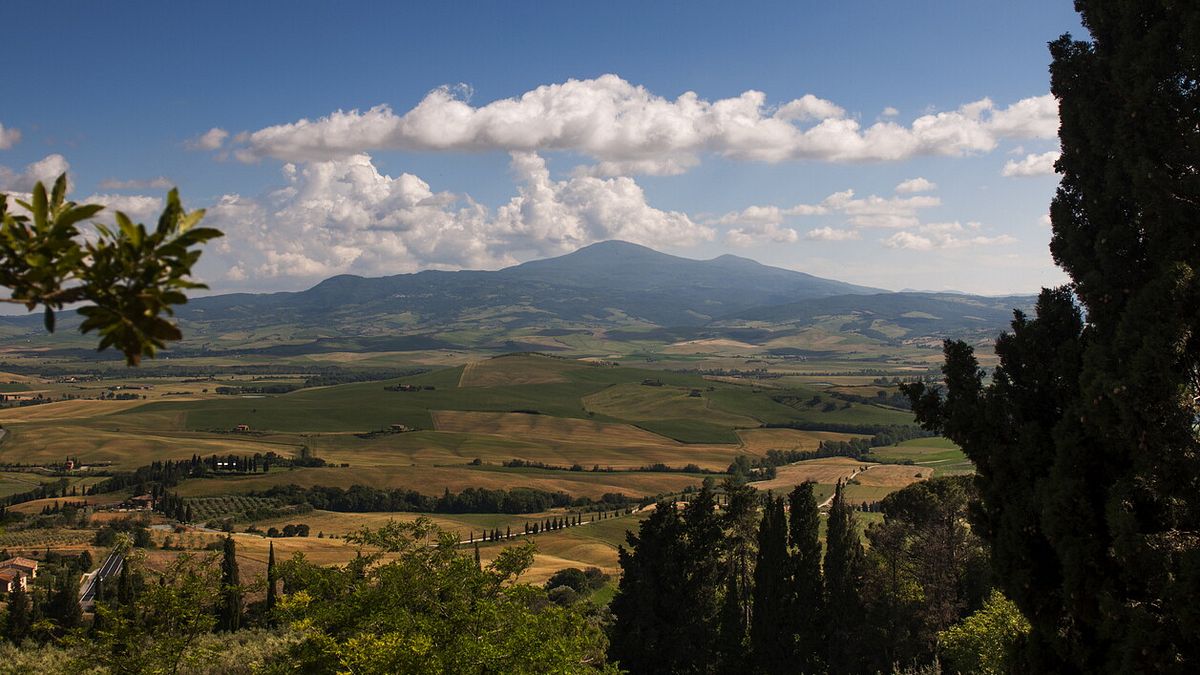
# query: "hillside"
[[607, 292]]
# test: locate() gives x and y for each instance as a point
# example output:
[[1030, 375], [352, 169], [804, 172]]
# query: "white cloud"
[[9, 137], [344, 216], [872, 211], [809, 107], [916, 185], [1032, 165], [765, 232], [212, 139], [830, 234], [889, 112], [159, 183], [139, 208], [627, 128], [46, 170], [931, 236]]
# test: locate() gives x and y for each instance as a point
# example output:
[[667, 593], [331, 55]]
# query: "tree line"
[[745, 588]]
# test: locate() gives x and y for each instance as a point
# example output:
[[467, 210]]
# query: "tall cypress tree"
[[770, 625], [271, 580], [843, 576], [649, 621], [64, 602], [1086, 438], [19, 615], [702, 573], [230, 611], [808, 591]]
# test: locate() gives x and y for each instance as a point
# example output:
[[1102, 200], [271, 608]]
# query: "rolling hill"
[[616, 290]]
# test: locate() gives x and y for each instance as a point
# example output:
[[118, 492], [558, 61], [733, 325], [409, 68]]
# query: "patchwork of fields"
[[584, 427]]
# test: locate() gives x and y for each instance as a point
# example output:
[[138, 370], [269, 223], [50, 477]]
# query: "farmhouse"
[[140, 502], [11, 580], [17, 571], [242, 427]]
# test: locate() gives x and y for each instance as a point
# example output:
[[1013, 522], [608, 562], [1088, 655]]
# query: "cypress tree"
[[271, 580], [478, 560], [770, 634], [843, 576], [650, 622], [1086, 439], [19, 615], [731, 631], [230, 611], [64, 603], [124, 586], [808, 593]]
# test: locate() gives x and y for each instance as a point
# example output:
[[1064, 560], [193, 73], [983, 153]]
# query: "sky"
[[895, 145]]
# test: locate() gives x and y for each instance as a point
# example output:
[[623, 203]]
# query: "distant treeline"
[[58, 488], [757, 373], [856, 448], [316, 376], [657, 467], [153, 478], [324, 379], [890, 430], [362, 498]]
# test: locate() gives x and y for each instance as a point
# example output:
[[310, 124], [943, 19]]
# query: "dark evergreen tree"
[[124, 595], [649, 626], [771, 642], [20, 616], [230, 611], [63, 607], [807, 619], [271, 579], [702, 573], [843, 578], [730, 648], [1086, 438]]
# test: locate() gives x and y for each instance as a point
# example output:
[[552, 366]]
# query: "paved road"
[[108, 570]]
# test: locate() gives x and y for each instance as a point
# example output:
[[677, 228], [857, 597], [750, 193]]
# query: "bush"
[[571, 577]]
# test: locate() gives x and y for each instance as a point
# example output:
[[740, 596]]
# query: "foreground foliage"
[[1086, 437], [431, 609], [130, 277]]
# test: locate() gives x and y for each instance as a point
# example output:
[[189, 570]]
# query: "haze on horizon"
[[918, 153]]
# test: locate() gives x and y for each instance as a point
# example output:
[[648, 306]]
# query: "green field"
[[939, 454]]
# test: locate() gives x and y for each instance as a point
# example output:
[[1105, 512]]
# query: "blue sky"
[[595, 142]]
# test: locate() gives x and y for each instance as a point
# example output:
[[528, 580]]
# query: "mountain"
[[612, 290], [612, 281]]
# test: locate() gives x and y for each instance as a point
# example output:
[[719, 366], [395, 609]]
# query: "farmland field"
[[579, 426]]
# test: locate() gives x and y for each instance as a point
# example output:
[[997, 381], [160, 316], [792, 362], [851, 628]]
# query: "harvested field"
[[828, 470]]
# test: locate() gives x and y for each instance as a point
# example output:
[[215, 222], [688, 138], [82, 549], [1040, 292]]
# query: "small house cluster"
[[15, 573]]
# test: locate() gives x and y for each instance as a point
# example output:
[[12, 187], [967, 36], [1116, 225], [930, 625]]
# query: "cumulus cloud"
[[761, 233], [830, 234], [889, 112], [8, 137], [626, 128], [46, 170], [212, 139], [916, 185], [1032, 165], [871, 211], [932, 236], [159, 183], [139, 208], [344, 216]]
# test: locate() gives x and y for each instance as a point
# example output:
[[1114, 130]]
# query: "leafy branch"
[[131, 276]]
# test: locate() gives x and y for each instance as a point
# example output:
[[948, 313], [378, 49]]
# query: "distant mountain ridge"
[[588, 284], [610, 290]]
